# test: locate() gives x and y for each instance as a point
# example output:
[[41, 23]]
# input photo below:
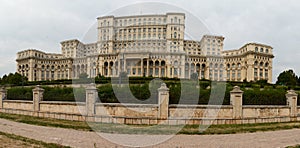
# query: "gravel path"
[[84, 139]]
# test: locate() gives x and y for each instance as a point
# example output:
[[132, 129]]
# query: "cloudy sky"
[[43, 24]]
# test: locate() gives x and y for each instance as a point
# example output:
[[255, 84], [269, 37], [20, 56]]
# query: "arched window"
[[261, 50], [267, 64], [256, 49], [176, 63], [233, 65], [261, 64], [267, 50], [216, 66], [228, 66]]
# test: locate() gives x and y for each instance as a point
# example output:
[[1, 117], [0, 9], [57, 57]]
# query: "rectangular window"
[[175, 71], [255, 72], [261, 73], [233, 74], [156, 71]]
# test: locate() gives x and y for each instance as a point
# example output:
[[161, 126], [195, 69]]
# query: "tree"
[[287, 78], [14, 79]]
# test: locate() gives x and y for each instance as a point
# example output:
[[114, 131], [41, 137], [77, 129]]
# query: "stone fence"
[[161, 113]]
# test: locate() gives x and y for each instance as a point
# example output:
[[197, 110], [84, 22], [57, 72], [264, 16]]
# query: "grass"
[[146, 129], [46, 121], [297, 146], [11, 139]]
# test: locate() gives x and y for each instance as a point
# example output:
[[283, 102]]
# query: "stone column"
[[147, 74], [291, 98], [236, 100], [142, 67], [159, 70], [3, 96], [91, 97], [206, 73], [38, 93], [163, 101]]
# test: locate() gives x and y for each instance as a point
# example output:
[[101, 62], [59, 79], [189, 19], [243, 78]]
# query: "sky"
[[42, 25]]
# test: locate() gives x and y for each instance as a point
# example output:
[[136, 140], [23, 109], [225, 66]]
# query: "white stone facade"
[[148, 45]]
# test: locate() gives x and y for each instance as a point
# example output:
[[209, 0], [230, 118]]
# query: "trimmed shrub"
[[264, 97], [20, 93], [64, 94]]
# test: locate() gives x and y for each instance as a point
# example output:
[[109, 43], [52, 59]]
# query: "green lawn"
[[9, 140]]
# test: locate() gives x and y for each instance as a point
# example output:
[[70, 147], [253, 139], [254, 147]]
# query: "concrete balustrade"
[[235, 113]]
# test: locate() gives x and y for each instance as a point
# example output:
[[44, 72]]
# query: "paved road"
[[84, 139]]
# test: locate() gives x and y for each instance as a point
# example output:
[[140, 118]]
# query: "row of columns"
[[140, 70]]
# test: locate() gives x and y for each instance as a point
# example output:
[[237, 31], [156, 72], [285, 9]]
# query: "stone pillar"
[[91, 97], [3, 96], [38, 93], [206, 73], [147, 69], [236, 100], [142, 67], [159, 70], [163, 101], [291, 98]]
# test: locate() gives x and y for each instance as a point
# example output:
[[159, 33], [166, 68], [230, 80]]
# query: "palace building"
[[148, 45]]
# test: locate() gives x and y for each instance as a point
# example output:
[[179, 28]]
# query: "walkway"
[[84, 139]]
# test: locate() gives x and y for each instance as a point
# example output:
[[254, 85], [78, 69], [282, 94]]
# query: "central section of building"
[[149, 45]]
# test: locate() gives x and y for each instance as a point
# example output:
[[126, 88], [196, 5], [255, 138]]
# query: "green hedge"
[[50, 94], [64, 94], [19, 93], [264, 97], [147, 94], [139, 94]]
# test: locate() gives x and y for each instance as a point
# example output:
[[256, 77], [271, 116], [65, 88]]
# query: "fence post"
[[3, 96], [38, 94], [236, 100], [163, 101], [91, 96], [291, 98]]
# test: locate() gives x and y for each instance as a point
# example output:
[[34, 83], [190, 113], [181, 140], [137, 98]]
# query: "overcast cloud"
[[43, 24]]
